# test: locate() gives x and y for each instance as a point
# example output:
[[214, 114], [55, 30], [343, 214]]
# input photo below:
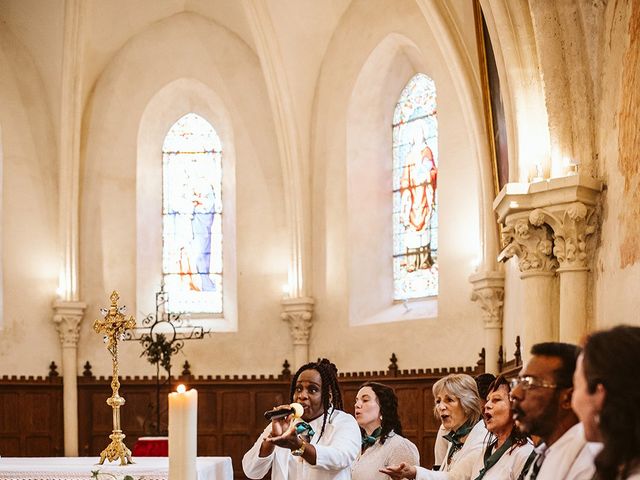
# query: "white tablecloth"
[[80, 468]]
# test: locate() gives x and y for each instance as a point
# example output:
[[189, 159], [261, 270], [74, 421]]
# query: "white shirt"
[[440, 446], [395, 450], [507, 468], [569, 458], [459, 466], [335, 452]]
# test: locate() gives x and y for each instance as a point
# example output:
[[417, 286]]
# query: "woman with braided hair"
[[320, 447]]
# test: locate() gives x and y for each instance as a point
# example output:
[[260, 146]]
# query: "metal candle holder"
[[114, 325]]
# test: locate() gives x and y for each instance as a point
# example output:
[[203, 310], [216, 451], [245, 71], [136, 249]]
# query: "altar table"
[[80, 468]]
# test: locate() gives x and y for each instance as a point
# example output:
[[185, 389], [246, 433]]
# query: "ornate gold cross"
[[114, 325]]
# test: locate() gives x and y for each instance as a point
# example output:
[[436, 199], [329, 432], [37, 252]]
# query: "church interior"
[[506, 214]]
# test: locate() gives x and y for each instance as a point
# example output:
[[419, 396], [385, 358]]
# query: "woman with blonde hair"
[[458, 407]]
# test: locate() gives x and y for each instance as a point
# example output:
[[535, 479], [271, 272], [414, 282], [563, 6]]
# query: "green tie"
[[535, 459]]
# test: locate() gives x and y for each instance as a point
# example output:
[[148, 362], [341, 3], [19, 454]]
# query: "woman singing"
[[320, 447]]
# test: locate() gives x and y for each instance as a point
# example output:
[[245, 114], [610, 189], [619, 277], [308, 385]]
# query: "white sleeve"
[[441, 446], [404, 451], [343, 447], [424, 474], [253, 465], [520, 456]]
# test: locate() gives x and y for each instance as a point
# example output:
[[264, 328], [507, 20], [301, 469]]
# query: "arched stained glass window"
[[415, 199], [192, 217]]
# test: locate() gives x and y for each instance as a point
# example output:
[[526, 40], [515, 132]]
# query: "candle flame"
[[181, 388]]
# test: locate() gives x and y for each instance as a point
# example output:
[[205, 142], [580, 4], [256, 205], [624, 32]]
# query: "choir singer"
[[321, 445]]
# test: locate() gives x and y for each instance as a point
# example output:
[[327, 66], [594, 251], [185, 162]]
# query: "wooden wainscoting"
[[31, 417], [230, 410]]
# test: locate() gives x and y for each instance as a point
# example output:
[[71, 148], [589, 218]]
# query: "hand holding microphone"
[[294, 409]]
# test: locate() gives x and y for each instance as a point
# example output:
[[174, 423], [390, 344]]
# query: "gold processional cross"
[[114, 325]]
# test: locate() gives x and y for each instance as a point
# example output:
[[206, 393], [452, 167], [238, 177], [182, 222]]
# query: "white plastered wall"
[[226, 78], [615, 281], [28, 340], [348, 260]]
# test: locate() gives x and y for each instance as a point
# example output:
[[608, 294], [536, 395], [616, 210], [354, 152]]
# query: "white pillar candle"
[[183, 433]]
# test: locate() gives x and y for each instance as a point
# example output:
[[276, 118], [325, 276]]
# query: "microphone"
[[294, 409]]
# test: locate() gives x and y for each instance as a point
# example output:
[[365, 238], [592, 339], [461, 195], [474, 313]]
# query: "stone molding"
[[299, 313], [571, 225], [67, 318], [488, 291], [532, 244], [547, 224]]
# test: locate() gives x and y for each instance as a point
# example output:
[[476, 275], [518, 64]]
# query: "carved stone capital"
[[532, 244], [299, 313], [571, 224], [488, 291], [67, 318]]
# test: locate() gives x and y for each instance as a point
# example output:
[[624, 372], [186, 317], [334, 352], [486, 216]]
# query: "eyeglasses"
[[527, 382]]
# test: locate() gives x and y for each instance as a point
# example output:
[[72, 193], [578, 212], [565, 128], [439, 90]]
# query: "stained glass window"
[[192, 217], [415, 199]]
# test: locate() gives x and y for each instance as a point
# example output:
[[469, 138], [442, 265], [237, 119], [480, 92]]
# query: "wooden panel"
[[427, 457], [349, 399], [430, 422], [35, 446], [31, 416], [266, 401], [10, 446], [235, 446], [102, 418], [234, 410], [207, 412], [39, 404], [208, 445], [410, 413], [136, 412], [8, 418]]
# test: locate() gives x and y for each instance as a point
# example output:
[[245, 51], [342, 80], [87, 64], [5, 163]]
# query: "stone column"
[[488, 291], [572, 224], [67, 317], [299, 313], [532, 245]]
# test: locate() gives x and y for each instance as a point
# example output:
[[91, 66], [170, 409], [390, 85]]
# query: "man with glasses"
[[541, 400]]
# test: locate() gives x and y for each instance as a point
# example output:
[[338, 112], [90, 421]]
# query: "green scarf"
[[455, 436], [303, 428], [490, 459], [368, 440]]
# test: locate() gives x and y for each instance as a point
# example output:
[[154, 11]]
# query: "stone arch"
[[385, 60]]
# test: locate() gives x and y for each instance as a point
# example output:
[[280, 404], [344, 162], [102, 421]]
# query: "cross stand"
[[162, 335], [114, 325]]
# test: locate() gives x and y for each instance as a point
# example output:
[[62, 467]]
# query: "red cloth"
[[151, 447]]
